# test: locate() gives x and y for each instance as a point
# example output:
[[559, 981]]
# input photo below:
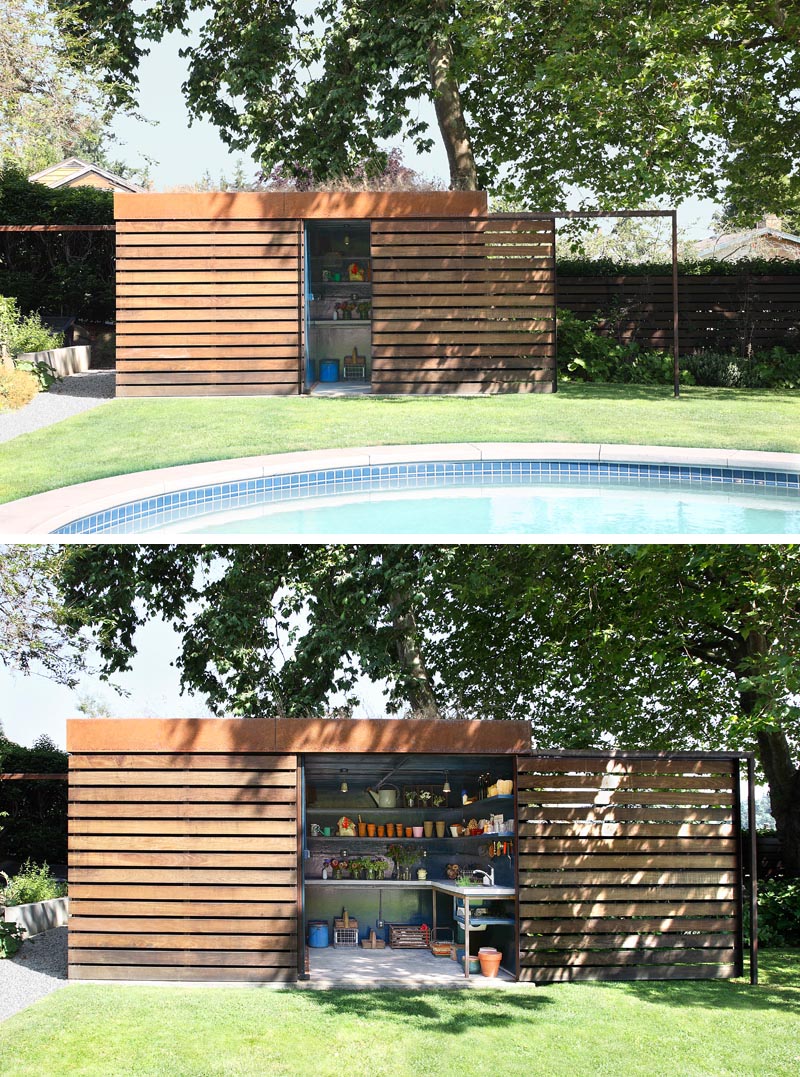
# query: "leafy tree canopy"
[[33, 633], [50, 107], [654, 646], [626, 100]]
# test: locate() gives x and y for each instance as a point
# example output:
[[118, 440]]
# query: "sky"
[[31, 705], [184, 152]]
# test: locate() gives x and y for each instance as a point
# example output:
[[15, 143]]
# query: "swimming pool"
[[475, 496]]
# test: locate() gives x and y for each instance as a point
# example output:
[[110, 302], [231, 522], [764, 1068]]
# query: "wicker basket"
[[441, 947]]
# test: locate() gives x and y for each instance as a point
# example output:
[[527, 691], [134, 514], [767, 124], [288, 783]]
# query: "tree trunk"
[[449, 113], [775, 755], [784, 794], [419, 690]]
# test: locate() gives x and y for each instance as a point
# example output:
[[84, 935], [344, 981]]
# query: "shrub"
[[583, 354], [36, 826], [779, 913], [773, 368], [33, 882], [10, 939], [24, 332], [717, 369], [17, 388]]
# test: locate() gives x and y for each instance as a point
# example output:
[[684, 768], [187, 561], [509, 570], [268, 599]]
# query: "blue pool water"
[[479, 497], [501, 511]]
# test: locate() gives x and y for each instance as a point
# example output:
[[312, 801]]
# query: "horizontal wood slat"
[[484, 291], [576, 973], [606, 890], [149, 913], [205, 888], [217, 259], [130, 922], [178, 973]]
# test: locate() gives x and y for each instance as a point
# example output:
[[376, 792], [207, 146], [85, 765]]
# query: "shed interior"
[[338, 302], [336, 788]]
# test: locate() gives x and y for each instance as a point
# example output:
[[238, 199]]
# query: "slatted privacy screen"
[[715, 312], [628, 868], [183, 866], [463, 305], [209, 307]]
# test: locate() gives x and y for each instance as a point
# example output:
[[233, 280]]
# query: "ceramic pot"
[[490, 962], [427, 827], [409, 832], [381, 831], [371, 828], [441, 826], [455, 830], [362, 830], [416, 831], [390, 830]]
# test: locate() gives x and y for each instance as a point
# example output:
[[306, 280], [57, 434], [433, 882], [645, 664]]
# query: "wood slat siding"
[[463, 306], [183, 866], [208, 307], [628, 868], [715, 312]]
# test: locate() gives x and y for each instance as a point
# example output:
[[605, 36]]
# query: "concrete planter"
[[62, 361], [39, 916]]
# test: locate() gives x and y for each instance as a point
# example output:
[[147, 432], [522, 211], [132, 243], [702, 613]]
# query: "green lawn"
[[134, 435], [711, 1029]]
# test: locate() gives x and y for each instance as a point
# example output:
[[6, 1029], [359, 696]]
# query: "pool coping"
[[41, 514]]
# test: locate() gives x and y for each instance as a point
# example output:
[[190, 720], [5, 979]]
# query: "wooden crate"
[[408, 937]]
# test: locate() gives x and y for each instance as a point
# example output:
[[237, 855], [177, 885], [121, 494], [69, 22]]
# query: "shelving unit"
[[332, 247]]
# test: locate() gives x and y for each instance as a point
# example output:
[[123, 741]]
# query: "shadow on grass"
[[451, 1012]]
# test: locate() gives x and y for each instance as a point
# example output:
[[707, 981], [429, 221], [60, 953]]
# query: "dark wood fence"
[[463, 306], [715, 312], [183, 866], [628, 868]]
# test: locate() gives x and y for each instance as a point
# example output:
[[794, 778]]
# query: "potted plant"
[[404, 856]]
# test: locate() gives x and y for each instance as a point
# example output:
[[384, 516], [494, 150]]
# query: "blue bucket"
[[318, 933], [329, 370]]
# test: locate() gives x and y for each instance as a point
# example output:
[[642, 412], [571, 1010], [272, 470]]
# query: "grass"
[[713, 1029], [136, 435]]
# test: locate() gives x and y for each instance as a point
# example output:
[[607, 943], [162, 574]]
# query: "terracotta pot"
[[371, 830], [441, 826], [490, 963], [399, 829], [427, 827], [362, 830], [390, 830], [409, 832], [381, 831]]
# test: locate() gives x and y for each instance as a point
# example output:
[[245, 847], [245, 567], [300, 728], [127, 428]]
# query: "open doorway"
[[338, 307], [389, 842]]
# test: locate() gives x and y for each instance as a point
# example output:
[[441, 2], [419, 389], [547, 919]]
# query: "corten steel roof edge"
[[264, 205], [358, 735]]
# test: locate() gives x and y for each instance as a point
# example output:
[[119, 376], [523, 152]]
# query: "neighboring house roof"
[[73, 172], [768, 240]]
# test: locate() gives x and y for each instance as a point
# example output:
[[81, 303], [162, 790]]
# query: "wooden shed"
[[199, 849], [267, 294]]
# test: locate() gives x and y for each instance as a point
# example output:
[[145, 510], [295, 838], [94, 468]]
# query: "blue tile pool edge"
[[135, 517]]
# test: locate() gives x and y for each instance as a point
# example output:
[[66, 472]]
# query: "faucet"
[[488, 876]]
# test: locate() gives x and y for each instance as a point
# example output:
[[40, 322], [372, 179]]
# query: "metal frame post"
[[751, 812]]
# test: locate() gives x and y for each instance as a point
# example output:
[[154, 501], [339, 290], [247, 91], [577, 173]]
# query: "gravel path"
[[72, 395], [38, 967]]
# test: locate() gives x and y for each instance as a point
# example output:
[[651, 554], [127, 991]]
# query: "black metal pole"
[[675, 313], [751, 814]]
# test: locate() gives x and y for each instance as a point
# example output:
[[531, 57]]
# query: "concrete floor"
[[340, 388], [339, 967]]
